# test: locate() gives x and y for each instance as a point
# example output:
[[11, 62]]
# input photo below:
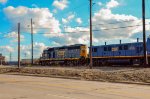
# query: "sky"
[[66, 22]]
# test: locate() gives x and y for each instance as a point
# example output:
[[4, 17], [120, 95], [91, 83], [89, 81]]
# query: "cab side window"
[[94, 50], [120, 48], [105, 48], [125, 47], [109, 48]]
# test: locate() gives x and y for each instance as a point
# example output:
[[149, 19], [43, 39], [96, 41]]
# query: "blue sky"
[[67, 22]]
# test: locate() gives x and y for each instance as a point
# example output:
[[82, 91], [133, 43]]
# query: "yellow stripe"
[[55, 59]]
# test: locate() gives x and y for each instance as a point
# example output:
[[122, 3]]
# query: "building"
[[2, 59]]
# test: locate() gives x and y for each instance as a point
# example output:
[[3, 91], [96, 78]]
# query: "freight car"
[[65, 55]]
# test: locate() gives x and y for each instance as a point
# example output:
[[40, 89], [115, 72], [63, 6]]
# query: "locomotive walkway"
[[28, 87]]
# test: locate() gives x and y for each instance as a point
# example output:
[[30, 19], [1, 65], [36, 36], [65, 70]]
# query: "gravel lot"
[[106, 74]]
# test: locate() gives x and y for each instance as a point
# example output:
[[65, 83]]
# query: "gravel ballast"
[[107, 74]]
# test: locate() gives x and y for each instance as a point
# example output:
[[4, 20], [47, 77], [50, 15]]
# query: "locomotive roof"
[[66, 46], [119, 44]]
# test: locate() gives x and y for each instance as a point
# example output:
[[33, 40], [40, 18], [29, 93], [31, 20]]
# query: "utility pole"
[[18, 45], [10, 57], [144, 34], [31, 41], [1, 59], [91, 62], [1, 62], [25, 55]]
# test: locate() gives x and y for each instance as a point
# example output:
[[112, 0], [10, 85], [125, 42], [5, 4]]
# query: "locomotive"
[[126, 53], [65, 55], [113, 54]]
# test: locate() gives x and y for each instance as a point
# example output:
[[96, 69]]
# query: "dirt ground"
[[106, 74], [31, 87]]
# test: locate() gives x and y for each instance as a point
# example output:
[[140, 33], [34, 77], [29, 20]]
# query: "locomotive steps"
[[106, 74]]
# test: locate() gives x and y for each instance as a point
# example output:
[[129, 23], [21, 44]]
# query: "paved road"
[[27, 87]]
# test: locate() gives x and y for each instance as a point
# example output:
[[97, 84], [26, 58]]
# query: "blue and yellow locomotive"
[[65, 55]]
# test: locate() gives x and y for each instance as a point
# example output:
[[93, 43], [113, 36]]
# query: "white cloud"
[[37, 48], [75, 35], [100, 3], [34, 6], [112, 4], [64, 21], [3, 1], [55, 11], [14, 36], [42, 18], [105, 16], [78, 20], [61, 4], [68, 19], [7, 49], [76, 29]]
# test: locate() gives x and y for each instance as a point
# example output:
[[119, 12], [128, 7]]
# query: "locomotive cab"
[[83, 51]]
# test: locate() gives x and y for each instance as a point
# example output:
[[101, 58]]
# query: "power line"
[[116, 22], [60, 32], [93, 30], [119, 22], [3, 38], [120, 27], [8, 31], [87, 25]]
